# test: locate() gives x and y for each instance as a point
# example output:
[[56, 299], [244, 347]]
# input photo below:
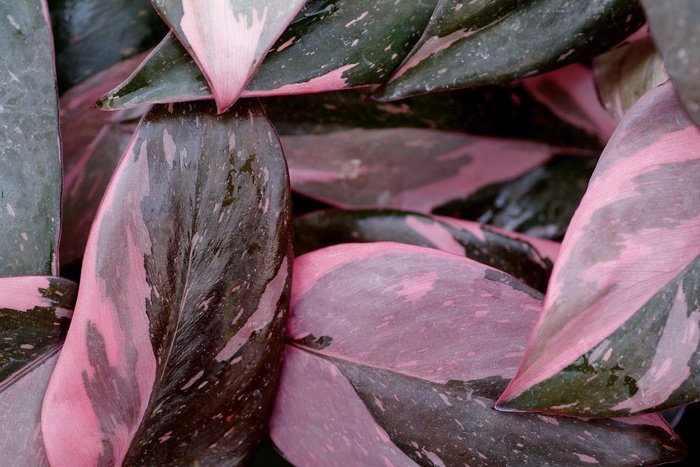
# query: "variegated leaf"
[[331, 44], [620, 332], [228, 38], [625, 74], [396, 354], [484, 42], [30, 161], [93, 35], [529, 259], [175, 347], [34, 315], [93, 142], [675, 27]]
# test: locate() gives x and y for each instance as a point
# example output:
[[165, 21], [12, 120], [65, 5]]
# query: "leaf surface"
[[619, 332], [387, 362], [175, 347], [331, 44], [30, 166], [527, 258], [625, 74], [93, 35], [675, 28], [34, 315], [228, 38], [93, 142], [477, 43]]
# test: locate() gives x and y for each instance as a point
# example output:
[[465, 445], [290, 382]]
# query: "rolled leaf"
[[527, 258], [228, 38], [331, 44], [477, 43], [175, 347], [625, 74], [30, 165], [93, 35], [619, 332], [93, 142], [34, 316], [675, 28], [388, 363]]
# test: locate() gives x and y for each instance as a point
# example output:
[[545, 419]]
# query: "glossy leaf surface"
[[30, 165], [92, 35], [34, 315], [675, 28], [387, 362], [93, 142], [526, 258], [620, 333], [331, 44], [175, 347], [485, 42], [228, 38], [625, 74]]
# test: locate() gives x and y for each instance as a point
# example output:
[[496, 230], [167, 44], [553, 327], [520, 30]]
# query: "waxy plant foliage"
[[493, 256]]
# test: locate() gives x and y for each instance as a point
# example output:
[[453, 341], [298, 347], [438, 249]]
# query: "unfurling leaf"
[[620, 329], [227, 38], [175, 346], [396, 354]]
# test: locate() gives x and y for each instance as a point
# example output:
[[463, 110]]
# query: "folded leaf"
[[620, 333], [396, 354], [93, 35], [675, 27], [625, 74], [228, 38], [175, 346], [327, 46], [93, 142], [477, 43], [527, 258], [34, 317], [30, 165]]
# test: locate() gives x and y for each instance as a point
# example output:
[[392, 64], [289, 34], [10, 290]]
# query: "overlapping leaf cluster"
[[567, 284]]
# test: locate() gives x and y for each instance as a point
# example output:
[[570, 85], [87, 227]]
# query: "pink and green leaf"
[[477, 43], [175, 346], [619, 332], [331, 44], [93, 142], [93, 35], [625, 74], [396, 354], [30, 165], [527, 258], [228, 38], [34, 315], [675, 28]]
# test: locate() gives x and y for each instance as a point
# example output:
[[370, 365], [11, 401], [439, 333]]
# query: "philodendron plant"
[[496, 226]]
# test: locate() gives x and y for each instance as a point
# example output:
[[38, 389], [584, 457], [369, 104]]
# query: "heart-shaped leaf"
[[228, 38], [93, 35], [619, 333], [675, 27], [93, 142], [396, 354], [30, 165], [175, 347], [625, 74], [527, 258], [34, 315], [477, 43]]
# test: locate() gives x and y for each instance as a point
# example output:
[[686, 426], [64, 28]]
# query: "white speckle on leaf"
[[26, 346], [565, 54], [359, 18], [10, 210], [586, 459], [13, 22], [286, 44]]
